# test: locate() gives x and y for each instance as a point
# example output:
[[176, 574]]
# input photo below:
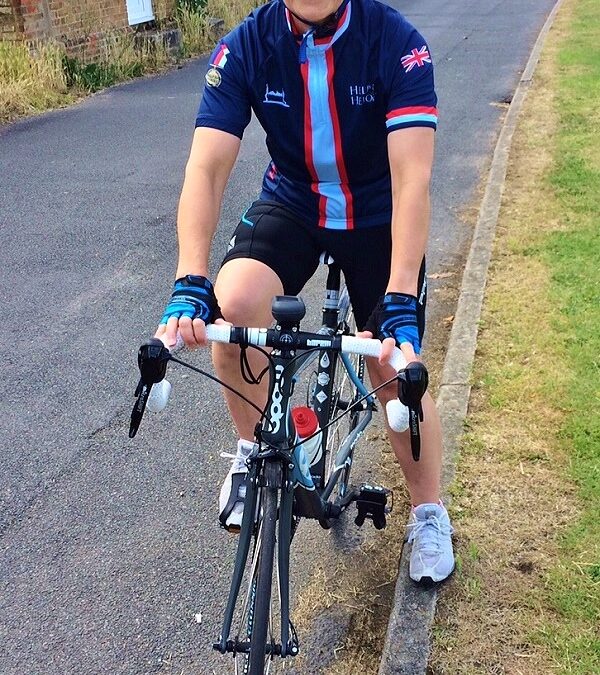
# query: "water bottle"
[[307, 424]]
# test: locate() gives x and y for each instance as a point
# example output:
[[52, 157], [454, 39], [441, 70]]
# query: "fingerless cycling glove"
[[396, 316], [192, 296]]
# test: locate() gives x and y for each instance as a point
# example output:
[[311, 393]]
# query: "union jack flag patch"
[[417, 57]]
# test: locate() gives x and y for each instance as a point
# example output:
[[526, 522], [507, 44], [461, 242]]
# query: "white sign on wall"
[[139, 11]]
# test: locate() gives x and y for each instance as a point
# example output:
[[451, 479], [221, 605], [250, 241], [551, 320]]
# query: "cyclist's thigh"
[[269, 252]]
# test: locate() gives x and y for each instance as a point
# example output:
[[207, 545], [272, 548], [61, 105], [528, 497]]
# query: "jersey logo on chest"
[[361, 94], [275, 97]]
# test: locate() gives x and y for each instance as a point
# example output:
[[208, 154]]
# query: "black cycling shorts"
[[272, 234]]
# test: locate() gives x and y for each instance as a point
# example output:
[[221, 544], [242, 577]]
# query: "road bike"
[[325, 370]]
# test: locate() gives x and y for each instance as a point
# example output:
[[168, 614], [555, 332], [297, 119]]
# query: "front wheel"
[[252, 620], [261, 615]]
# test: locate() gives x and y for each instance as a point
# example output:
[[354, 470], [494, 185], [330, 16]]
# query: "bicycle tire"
[[341, 393], [262, 595], [344, 393]]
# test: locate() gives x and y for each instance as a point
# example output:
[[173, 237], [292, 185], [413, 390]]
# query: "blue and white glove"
[[193, 296], [395, 316]]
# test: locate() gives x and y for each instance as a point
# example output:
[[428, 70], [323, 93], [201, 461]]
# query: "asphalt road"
[[110, 547]]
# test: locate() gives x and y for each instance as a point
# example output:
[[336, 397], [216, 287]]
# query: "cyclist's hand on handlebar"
[[192, 305], [394, 321], [387, 348]]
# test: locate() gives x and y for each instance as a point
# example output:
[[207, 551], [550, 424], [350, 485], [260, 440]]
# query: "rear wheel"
[[342, 393]]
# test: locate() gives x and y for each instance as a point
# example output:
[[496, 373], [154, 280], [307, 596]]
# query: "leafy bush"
[[94, 76]]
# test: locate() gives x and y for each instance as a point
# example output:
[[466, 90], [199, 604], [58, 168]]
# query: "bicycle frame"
[[307, 497]]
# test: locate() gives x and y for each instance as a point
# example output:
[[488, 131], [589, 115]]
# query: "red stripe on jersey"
[[337, 135], [412, 110]]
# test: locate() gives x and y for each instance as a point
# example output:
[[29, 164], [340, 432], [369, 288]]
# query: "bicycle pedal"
[[372, 504]]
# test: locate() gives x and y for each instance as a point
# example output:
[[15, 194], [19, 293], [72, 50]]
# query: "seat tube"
[[326, 365], [332, 295]]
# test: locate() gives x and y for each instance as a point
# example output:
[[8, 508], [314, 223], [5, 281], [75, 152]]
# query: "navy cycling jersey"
[[326, 105]]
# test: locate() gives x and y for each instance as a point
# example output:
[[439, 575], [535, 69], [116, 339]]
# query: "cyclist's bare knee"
[[245, 288]]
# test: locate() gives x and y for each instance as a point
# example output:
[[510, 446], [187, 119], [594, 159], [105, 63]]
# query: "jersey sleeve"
[[412, 99], [225, 103]]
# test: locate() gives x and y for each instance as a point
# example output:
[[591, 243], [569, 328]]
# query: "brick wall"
[[79, 24], [11, 23]]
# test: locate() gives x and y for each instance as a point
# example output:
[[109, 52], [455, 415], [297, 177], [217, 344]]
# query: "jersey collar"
[[323, 36]]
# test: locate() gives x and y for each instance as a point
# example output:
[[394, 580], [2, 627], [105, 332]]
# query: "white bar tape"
[[355, 345], [218, 332], [257, 336], [397, 415], [159, 396]]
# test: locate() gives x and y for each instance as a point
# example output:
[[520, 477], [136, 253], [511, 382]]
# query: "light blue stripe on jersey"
[[339, 32], [402, 119], [323, 139]]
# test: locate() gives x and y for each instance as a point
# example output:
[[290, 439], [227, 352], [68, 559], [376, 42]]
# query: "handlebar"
[[402, 413], [288, 340]]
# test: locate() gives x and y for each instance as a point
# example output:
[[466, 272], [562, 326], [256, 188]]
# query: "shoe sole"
[[427, 581]]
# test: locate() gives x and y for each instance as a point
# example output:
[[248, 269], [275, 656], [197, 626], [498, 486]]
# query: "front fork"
[[246, 532], [279, 477]]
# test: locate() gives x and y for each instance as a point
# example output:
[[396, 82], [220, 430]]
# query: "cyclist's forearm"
[[197, 217], [212, 156], [410, 230]]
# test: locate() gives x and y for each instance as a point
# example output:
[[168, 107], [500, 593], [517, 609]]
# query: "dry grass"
[[197, 33], [231, 11], [361, 585], [512, 497], [31, 78], [122, 50]]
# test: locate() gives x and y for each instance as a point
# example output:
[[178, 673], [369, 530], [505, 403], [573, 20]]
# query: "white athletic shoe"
[[430, 533], [233, 491]]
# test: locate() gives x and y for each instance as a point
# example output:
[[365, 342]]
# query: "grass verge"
[[526, 598]]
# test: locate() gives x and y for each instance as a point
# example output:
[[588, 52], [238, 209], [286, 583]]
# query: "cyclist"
[[344, 90]]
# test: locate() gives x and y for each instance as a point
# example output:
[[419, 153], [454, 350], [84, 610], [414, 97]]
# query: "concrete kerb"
[[407, 644]]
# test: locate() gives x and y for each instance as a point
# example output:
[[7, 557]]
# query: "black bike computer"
[[288, 310]]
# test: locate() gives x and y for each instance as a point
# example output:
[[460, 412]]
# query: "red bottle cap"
[[305, 421]]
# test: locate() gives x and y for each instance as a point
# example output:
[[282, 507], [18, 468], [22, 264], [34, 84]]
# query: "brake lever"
[[153, 357], [412, 385]]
